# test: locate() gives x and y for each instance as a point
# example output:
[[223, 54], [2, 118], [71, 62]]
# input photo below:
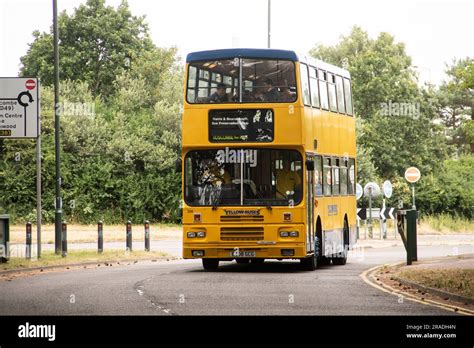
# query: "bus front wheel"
[[309, 263], [210, 264], [242, 261]]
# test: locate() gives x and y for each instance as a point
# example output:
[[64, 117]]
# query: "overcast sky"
[[434, 32]]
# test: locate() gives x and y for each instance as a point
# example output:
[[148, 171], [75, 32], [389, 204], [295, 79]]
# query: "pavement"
[[182, 287]]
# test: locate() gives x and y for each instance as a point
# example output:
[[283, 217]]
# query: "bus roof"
[[241, 52], [264, 53]]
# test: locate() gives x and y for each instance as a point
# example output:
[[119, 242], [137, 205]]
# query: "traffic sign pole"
[[413, 206], [370, 212]]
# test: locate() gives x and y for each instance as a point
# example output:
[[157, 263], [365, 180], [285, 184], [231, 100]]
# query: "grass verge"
[[456, 281], [49, 258], [445, 223]]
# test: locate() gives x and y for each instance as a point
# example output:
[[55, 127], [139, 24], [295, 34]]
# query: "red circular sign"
[[412, 175], [30, 84]]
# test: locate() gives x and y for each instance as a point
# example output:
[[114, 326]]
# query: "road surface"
[[182, 288]]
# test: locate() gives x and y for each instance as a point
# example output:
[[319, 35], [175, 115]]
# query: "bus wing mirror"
[[179, 165], [309, 165]]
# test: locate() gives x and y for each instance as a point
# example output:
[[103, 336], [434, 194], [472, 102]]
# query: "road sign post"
[[372, 190]]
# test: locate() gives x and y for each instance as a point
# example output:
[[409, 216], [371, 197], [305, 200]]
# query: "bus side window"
[[305, 84], [318, 176], [323, 89], [332, 92], [313, 84], [348, 96], [335, 176], [343, 178], [340, 95], [327, 176], [351, 173]]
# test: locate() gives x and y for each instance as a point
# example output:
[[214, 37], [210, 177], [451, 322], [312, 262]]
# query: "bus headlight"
[[289, 234], [198, 234]]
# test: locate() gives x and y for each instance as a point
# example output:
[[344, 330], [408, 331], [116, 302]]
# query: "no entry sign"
[[412, 175]]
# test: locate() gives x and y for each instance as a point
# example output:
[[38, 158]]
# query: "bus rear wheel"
[[210, 264]]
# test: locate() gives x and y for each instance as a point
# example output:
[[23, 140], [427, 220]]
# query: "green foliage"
[[390, 142], [456, 105], [118, 162], [97, 43]]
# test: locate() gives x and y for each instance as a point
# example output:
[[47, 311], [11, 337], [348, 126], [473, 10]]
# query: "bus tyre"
[[210, 264], [258, 261], [242, 261], [341, 258], [309, 263], [324, 261]]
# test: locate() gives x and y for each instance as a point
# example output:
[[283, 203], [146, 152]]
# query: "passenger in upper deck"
[[270, 94], [219, 96], [285, 93]]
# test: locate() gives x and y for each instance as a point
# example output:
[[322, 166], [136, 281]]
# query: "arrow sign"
[[362, 213], [387, 213]]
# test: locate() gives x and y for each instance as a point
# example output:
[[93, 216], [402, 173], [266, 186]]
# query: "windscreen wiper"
[[267, 204]]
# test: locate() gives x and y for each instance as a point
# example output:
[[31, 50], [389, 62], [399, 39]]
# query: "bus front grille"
[[242, 233], [250, 218]]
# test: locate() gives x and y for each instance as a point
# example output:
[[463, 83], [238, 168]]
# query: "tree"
[[97, 43], [456, 105], [398, 128]]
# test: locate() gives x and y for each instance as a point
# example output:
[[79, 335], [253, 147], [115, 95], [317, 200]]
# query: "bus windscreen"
[[249, 177]]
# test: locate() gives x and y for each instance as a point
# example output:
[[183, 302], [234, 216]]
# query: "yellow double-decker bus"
[[268, 158]]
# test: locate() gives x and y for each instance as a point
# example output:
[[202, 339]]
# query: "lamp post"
[[269, 23], [58, 200]]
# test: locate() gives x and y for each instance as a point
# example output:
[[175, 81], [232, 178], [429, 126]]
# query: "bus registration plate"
[[243, 254]]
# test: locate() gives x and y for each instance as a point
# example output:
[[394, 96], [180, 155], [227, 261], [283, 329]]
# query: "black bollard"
[[28, 240], [129, 236], [147, 235], [100, 239], [64, 238]]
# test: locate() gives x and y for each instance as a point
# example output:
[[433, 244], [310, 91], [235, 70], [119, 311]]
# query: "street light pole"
[[269, 23], [58, 205]]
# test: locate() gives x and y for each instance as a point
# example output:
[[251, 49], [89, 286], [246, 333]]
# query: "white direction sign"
[[359, 191], [19, 107], [387, 188], [372, 189]]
